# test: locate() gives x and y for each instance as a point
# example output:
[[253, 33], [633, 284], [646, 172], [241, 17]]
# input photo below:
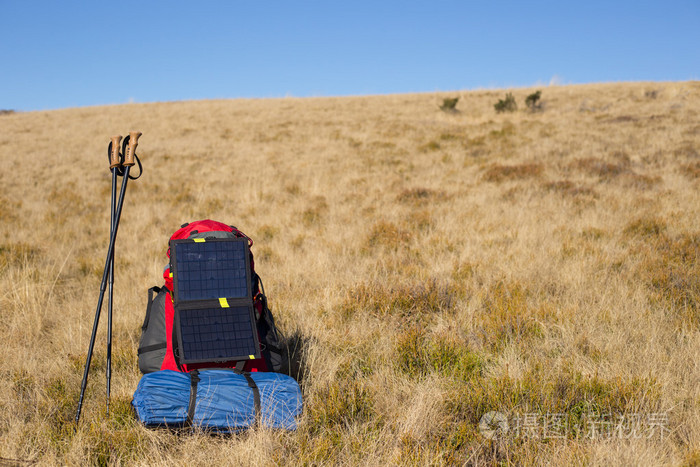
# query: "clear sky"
[[56, 54]]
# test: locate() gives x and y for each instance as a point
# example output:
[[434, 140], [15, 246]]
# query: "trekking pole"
[[130, 143], [115, 166]]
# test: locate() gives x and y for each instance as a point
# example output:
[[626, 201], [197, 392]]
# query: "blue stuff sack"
[[218, 400]]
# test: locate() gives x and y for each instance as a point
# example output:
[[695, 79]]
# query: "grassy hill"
[[428, 267]]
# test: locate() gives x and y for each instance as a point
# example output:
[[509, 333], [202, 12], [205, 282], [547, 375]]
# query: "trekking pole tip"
[[114, 151], [131, 149]]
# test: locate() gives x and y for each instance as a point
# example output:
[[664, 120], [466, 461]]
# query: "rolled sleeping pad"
[[223, 401]]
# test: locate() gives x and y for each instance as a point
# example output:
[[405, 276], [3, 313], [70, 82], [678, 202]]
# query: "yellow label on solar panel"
[[199, 240], [223, 302], [252, 357]]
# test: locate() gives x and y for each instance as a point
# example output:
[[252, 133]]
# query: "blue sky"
[[57, 54]]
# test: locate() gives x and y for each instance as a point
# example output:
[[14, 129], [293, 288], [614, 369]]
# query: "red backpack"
[[158, 345]]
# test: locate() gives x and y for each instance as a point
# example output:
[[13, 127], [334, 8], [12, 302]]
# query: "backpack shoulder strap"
[[151, 291]]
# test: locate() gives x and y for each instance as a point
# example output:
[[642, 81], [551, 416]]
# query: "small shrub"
[[645, 227], [388, 235], [449, 137], [692, 459], [407, 300], [592, 233], [265, 253], [212, 205], [580, 399], [449, 104], [89, 266], [506, 131], [420, 219], [293, 189], [477, 141], [670, 266], [58, 405], [12, 253], [622, 119], [23, 385], [603, 169], [111, 445], [506, 315], [506, 105], [640, 181], [268, 232], [63, 202], [8, 209], [569, 188], [429, 146], [499, 173], [418, 355], [314, 213], [418, 195], [687, 150], [297, 242], [691, 170], [183, 197], [340, 403], [533, 101]]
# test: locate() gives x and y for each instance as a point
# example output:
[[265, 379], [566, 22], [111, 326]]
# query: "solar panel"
[[208, 270], [216, 334], [214, 316]]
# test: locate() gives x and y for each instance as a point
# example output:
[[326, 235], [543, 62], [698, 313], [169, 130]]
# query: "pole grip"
[[114, 161], [131, 149]]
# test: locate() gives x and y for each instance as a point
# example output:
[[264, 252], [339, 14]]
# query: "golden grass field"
[[427, 268]]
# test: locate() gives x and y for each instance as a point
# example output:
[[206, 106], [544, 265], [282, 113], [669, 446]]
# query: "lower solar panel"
[[216, 334]]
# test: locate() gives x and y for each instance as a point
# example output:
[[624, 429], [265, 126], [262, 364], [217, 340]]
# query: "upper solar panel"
[[211, 269]]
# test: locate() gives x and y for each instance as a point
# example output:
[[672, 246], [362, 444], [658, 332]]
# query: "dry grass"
[[429, 267]]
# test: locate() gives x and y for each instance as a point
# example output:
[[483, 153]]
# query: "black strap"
[[194, 379], [151, 348], [256, 395], [239, 366], [151, 291], [138, 161], [260, 282]]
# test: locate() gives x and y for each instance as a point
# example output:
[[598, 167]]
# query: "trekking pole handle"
[[131, 149], [114, 161]]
